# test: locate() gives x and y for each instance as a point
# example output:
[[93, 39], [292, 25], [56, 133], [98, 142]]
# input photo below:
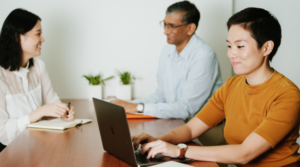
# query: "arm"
[[182, 134], [186, 132], [53, 106], [213, 113], [253, 146], [280, 125], [202, 76], [9, 128], [156, 97], [48, 94], [159, 95], [198, 87]]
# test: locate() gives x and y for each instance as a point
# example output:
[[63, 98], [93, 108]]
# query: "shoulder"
[[235, 80], [40, 63], [1, 71], [283, 85], [201, 50], [202, 46], [285, 81]]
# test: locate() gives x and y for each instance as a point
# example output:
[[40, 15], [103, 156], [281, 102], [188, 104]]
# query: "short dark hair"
[[19, 21], [192, 14], [262, 25]]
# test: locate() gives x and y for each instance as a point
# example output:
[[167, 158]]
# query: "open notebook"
[[58, 124]]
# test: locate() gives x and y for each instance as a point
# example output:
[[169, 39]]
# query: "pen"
[[69, 105]]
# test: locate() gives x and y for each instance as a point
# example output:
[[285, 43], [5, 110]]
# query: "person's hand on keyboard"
[[142, 139], [160, 147]]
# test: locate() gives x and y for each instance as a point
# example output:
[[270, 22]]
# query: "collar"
[[186, 50], [22, 71]]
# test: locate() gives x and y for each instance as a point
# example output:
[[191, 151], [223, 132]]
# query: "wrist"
[[177, 151], [134, 106], [40, 113], [35, 115], [140, 108], [182, 148], [32, 117]]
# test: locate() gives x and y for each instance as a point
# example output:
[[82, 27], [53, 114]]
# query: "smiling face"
[[31, 42], [179, 34], [243, 52]]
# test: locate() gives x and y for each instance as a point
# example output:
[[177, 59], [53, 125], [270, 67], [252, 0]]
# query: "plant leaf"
[[111, 77]]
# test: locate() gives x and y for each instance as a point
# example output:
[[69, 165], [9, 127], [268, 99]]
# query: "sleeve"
[[197, 88], [158, 96], [281, 118], [48, 94], [9, 128], [213, 112]]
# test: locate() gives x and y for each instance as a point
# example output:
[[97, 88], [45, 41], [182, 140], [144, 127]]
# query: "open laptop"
[[116, 138]]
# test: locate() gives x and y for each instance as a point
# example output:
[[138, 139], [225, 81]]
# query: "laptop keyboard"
[[142, 158], [159, 158]]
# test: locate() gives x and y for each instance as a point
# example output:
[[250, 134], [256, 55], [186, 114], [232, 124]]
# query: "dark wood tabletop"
[[79, 146]]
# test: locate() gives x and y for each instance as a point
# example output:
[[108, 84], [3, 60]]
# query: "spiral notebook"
[[58, 124]]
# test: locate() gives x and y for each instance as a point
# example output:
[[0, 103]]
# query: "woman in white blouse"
[[26, 94]]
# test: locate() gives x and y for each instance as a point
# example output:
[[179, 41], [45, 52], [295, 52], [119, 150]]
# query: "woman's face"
[[31, 42], [243, 52]]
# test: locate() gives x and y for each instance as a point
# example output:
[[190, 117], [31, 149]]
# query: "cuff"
[[23, 122], [135, 101], [149, 109]]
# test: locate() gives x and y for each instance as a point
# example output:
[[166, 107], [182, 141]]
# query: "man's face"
[[175, 35]]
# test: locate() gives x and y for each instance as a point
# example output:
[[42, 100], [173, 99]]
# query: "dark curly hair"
[[262, 25], [19, 21]]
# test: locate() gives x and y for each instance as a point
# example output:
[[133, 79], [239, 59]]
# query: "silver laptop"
[[116, 138]]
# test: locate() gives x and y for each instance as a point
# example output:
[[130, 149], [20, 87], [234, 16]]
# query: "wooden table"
[[79, 146]]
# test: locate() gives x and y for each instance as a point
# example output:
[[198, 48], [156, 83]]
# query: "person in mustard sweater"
[[261, 106]]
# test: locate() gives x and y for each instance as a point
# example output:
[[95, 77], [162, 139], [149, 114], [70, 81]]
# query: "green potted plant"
[[124, 88], [95, 85]]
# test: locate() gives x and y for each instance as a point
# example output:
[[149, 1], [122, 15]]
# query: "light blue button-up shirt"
[[185, 81]]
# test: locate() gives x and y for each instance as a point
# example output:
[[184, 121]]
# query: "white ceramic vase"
[[95, 91], [124, 92]]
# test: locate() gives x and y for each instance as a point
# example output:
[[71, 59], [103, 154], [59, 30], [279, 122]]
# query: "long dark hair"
[[19, 21]]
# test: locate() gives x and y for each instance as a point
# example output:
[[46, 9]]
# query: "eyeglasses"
[[170, 26]]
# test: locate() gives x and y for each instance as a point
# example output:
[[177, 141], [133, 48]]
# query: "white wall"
[[287, 59], [87, 37]]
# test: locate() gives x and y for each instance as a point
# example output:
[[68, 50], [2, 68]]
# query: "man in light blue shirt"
[[188, 72]]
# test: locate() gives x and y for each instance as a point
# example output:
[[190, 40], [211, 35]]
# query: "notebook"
[[58, 124]]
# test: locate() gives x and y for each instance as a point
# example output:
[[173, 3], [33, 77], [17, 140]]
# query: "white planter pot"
[[124, 92], [95, 91]]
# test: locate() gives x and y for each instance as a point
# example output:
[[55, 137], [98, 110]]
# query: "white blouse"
[[22, 92]]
